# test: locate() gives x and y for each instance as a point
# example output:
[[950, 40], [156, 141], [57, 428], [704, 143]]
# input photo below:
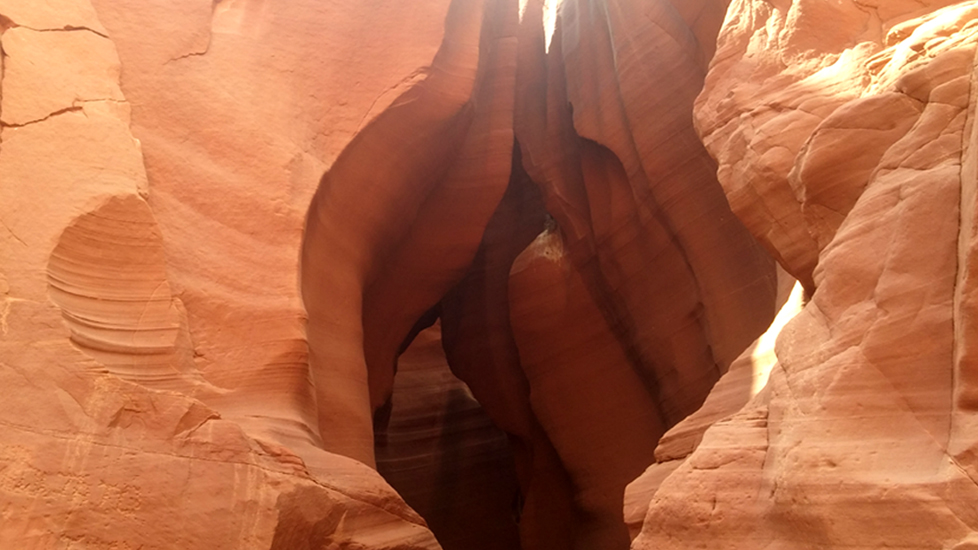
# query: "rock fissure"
[[189, 55], [54, 114], [10, 231], [66, 28]]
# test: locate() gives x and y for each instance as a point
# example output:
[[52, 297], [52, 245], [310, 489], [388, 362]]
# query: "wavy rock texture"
[[747, 377], [150, 400], [590, 401], [254, 252], [436, 163], [481, 349], [619, 313], [108, 276], [233, 170], [188, 304], [850, 155]]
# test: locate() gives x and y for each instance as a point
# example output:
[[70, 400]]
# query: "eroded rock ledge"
[[256, 252]]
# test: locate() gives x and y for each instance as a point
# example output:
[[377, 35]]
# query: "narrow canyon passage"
[[563, 220], [488, 274], [442, 453]]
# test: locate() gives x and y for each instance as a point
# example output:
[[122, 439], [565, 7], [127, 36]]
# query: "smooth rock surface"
[[625, 298]]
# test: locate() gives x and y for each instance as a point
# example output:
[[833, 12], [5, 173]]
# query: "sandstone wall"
[[202, 330], [845, 136], [154, 360], [237, 236]]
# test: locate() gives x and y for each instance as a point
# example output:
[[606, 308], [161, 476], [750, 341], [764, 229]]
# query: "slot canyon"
[[488, 274]]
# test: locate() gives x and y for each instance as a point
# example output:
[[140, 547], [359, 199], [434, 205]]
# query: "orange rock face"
[[488, 274], [201, 330], [850, 155], [609, 328], [154, 359]]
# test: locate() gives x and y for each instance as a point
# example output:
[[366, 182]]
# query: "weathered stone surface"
[[481, 349], [590, 401], [108, 276], [436, 162], [208, 343], [51, 15], [845, 154], [624, 298], [93, 460], [747, 376], [80, 66], [239, 164], [116, 435]]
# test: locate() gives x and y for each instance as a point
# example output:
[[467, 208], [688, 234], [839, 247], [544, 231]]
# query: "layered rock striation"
[[610, 326], [454, 273], [847, 154], [189, 303], [154, 361]]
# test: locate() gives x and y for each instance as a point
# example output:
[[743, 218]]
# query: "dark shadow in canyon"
[[443, 454]]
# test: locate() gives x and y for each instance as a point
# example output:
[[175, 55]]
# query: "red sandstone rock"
[[176, 377], [747, 376], [122, 426], [442, 453], [626, 287], [866, 416], [240, 163], [435, 164], [481, 349], [594, 407]]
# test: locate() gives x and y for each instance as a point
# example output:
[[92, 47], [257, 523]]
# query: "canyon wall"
[[157, 164], [453, 273], [845, 138]]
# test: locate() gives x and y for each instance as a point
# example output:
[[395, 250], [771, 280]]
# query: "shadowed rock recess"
[[488, 274]]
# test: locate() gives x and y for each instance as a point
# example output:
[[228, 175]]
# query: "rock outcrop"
[[608, 328], [153, 354], [849, 153]]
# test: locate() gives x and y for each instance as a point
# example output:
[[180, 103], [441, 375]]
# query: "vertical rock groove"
[[843, 154], [591, 280], [488, 274]]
